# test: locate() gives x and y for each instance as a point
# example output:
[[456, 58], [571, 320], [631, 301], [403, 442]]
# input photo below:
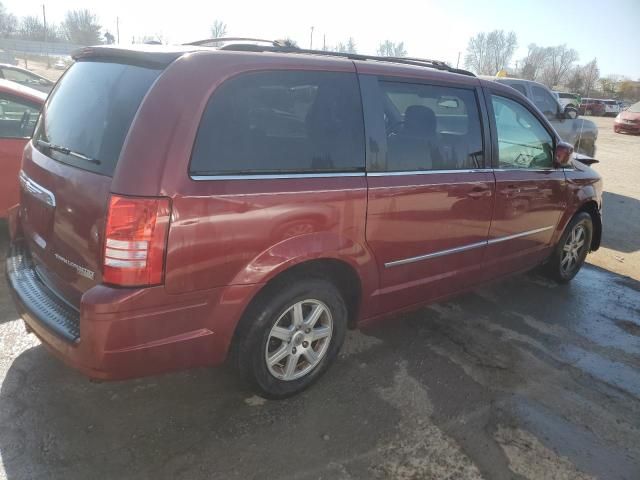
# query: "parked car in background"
[[579, 132], [628, 121], [571, 100], [279, 198], [60, 65], [592, 107], [611, 108], [26, 78], [19, 110]]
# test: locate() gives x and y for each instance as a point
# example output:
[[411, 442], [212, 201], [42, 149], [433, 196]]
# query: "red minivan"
[[185, 205]]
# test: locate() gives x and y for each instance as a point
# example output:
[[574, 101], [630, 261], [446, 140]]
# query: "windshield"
[[88, 115]]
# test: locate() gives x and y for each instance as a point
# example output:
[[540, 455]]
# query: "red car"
[[592, 106], [19, 110], [628, 121], [185, 205]]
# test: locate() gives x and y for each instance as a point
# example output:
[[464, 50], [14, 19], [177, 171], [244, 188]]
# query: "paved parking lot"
[[522, 379]]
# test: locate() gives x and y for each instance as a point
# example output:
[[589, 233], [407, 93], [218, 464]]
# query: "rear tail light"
[[135, 240]]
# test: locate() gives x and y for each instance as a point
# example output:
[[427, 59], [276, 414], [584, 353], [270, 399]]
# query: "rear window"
[[281, 122], [90, 112]]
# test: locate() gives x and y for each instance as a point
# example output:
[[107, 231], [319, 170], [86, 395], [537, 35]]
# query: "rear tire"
[[572, 249], [295, 333]]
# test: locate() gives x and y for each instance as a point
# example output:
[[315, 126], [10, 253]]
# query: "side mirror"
[[570, 113], [562, 155]]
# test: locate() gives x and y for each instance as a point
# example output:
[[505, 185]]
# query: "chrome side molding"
[[465, 248]]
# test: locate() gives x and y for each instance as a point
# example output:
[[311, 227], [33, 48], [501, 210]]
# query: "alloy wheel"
[[299, 340], [572, 250]]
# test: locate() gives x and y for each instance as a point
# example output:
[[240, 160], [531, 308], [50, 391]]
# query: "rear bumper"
[[126, 333]]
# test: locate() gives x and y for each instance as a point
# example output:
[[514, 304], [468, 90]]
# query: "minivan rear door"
[[68, 167]]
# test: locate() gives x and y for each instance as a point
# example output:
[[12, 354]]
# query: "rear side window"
[[90, 112], [430, 127], [281, 122]]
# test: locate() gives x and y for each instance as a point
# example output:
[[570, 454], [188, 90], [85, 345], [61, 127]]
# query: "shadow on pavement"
[[488, 384], [621, 217]]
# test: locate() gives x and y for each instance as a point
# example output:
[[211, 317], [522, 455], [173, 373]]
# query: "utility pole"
[[118, 29], [324, 42], [44, 20], [311, 42], [458, 62]]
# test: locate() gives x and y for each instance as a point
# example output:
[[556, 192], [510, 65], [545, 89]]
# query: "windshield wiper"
[[66, 151]]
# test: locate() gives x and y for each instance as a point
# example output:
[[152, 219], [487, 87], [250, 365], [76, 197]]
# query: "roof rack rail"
[[279, 46], [212, 41]]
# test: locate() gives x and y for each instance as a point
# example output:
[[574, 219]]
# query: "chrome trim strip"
[[518, 235], [270, 176], [441, 253], [36, 190], [426, 172], [527, 169], [464, 248]]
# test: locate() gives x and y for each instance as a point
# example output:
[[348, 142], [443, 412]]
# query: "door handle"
[[479, 192]]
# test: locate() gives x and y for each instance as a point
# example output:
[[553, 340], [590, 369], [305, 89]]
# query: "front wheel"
[[572, 249], [296, 332]]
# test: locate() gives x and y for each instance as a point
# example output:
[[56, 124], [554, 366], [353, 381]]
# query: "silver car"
[[579, 132]]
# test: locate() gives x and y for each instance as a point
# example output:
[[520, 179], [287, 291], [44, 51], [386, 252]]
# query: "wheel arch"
[[339, 272], [591, 207]]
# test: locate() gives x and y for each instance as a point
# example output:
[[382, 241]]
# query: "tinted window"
[[544, 101], [430, 127], [282, 122], [17, 118], [90, 112], [522, 140]]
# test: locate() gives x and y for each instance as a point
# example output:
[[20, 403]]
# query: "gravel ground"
[[524, 379]]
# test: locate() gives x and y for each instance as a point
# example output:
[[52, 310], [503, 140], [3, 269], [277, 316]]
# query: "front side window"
[[281, 122], [430, 127], [544, 101], [523, 142], [17, 118]]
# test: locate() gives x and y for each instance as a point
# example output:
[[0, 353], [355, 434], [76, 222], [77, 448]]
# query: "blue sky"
[[430, 28]]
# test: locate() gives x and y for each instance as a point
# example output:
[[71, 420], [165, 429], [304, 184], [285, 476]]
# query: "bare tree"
[[81, 27], [392, 49], [534, 62], [488, 53], [218, 29], [477, 54], [560, 59], [8, 22], [31, 28], [351, 45], [575, 79], [591, 74], [500, 50], [340, 47]]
